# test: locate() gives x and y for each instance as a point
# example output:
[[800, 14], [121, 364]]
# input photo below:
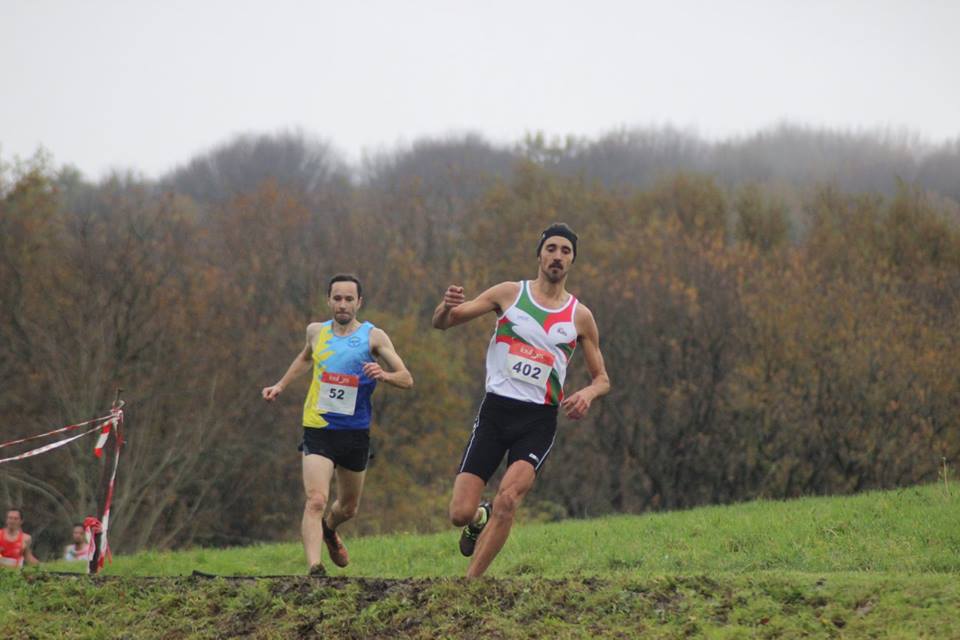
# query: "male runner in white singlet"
[[539, 324]]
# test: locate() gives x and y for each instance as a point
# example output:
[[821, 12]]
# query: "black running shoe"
[[317, 571], [470, 533]]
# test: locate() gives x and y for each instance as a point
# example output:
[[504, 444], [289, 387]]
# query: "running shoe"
[[317, 571], [338, 552], [470, 533]]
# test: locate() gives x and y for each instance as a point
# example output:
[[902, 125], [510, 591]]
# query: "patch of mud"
[[310, 607]]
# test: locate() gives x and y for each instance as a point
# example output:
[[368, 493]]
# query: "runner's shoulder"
[[377, 336], [583, 318], [502, 295], [508, 290], [313, 329]]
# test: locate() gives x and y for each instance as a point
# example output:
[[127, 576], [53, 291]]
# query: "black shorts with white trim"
[[522, 430]]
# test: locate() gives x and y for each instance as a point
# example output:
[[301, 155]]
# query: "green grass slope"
[[882, 564]]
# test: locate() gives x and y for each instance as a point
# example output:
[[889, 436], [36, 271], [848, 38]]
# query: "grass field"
[[882, 564]]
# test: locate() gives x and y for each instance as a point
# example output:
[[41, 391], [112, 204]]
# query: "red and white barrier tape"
[[115, 425], [92, 526], [48, 447], [114, 419], [71, 427]]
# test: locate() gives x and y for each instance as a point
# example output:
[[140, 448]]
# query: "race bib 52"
[[338, 393]]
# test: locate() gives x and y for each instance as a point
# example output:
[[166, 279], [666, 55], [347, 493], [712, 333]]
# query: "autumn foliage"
[[760, 341]]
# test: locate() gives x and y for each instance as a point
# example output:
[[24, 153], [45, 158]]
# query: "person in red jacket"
[[15, 543]]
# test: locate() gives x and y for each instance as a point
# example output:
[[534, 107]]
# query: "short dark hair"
[[345, 277], [17, 509]]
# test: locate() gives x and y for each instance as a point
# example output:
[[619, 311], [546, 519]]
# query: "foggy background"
[[767, 196], [120, 85]]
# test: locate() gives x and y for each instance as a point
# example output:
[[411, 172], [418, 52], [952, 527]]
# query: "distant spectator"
[[79, 549], [15, 543]]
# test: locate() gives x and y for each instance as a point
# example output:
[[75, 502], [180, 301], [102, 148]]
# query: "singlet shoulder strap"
[[516, 301]]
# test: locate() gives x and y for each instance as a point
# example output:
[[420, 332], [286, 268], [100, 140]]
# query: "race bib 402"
[[529, 364]]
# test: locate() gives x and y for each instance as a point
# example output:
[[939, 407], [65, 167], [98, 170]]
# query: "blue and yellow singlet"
[[339, 395]]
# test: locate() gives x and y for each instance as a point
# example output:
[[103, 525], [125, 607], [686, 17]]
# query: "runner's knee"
[[461, 514], [349, 509], [506, 503], [462, 511], [316, 504]]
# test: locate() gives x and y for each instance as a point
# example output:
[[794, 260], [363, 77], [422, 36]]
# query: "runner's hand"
[[270, 393], [374, 371], [577, 405], [453, 296]]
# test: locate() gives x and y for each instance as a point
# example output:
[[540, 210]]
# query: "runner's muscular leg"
[[349, 490], [516, 483], [317, 472], [467, 491]]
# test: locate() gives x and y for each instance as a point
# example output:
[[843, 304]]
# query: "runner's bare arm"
[[577, 405], [454, 310], [381, 347], [300, 365], [28, 556]]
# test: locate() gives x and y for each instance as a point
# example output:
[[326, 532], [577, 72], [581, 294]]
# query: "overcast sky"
[[147, 85]]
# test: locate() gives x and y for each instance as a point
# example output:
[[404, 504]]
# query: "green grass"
[[910, 530], [881, 564]]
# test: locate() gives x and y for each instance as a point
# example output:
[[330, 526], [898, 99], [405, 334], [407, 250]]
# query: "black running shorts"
[[523, 430], [348, 448]]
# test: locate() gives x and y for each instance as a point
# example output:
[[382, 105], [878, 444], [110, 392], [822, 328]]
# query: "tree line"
[[766, 337]]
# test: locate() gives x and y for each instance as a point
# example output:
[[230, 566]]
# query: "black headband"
[[561, 230]]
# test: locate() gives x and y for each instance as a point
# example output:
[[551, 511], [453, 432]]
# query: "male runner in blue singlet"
[[343, 354]]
